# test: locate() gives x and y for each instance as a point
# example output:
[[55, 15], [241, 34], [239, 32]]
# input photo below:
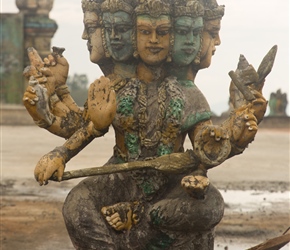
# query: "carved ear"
[[136, 54]]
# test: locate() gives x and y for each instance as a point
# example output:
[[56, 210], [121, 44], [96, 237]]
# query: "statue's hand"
[[212, 135], [244, 127], [58, 66], [51, 164], [39, 71], [259, 106], [35, 100], [101, 103], [122, 216], [246, 81], [212, 145], [195, 185]]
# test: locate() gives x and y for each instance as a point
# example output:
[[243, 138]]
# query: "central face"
[[118, 35], [187, 39], [153, 38], [210, 39], [93, 34]]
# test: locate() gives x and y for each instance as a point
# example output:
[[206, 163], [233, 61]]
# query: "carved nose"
[[217, 41], [189, 39], [114, 35], [85, 35], [154, 38]]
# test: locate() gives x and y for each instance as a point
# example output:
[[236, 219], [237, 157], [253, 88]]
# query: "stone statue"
[[278, 103], [150, 194]]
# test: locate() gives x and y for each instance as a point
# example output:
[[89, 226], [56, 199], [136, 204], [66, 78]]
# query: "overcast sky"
[[249, 27]]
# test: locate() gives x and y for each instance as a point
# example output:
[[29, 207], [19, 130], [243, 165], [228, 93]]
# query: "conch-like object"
[[246, 78]]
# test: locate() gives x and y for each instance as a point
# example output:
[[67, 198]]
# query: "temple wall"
[[12, 63], [30, 27]]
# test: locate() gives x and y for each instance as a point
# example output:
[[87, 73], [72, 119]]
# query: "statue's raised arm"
[[47, 98]]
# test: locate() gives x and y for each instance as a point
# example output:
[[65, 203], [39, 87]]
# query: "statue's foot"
[[123, 215], [195, 186]]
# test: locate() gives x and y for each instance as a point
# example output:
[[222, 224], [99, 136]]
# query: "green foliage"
[[77, 82], [78, 88]]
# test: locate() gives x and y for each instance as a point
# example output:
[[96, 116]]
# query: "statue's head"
[[187, 26], [153, 31], [118, 29], [92, 29], [213, 14]]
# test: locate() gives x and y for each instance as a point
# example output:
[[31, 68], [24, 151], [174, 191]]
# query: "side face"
[[210, 39], [93, 34]]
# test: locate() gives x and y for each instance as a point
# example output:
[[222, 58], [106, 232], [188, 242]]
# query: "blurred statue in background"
[[278, 103], [151, 194]]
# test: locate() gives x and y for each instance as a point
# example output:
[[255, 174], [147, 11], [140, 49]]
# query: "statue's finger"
[[40, 179], [60, 174], [34, 58], [47, 174], [46, 61], [253, 127], [51, 59], [218, 134], [62, 61], [31, 71], [31, 89], [28, 96], [42, 80], [250, 116], [115, 219], [46, 71]]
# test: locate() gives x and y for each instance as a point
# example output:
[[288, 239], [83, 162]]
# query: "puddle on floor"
[[249, 200]]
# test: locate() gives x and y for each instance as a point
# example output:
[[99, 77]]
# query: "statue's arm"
[[242, 123], [53, 163], [247, 100], [59, 67], [47, 98], [210, 143]]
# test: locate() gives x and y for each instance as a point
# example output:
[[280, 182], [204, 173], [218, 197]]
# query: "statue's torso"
[[153, 119]]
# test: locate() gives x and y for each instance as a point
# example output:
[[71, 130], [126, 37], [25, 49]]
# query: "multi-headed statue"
[[150, 194]]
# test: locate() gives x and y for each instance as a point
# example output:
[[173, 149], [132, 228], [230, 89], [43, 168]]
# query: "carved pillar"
[[38, 27]]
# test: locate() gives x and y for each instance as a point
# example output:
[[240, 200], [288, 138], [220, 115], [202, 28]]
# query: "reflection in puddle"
[[250, 200]]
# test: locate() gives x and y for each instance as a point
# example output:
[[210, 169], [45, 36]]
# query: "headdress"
[[191, 8], [212, 10], [154, 8], [118, 5], [92, 5]]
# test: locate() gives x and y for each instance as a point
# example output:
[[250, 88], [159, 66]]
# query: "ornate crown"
[[192, 8], [212, 10], [215, 13], [118, 5], [154, 8], [91, 5]]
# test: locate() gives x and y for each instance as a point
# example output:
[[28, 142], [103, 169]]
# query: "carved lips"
[[155, 50], [117, 46], [188, 51]]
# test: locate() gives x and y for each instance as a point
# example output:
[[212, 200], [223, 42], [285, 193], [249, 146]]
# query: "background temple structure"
[[31, 27]]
